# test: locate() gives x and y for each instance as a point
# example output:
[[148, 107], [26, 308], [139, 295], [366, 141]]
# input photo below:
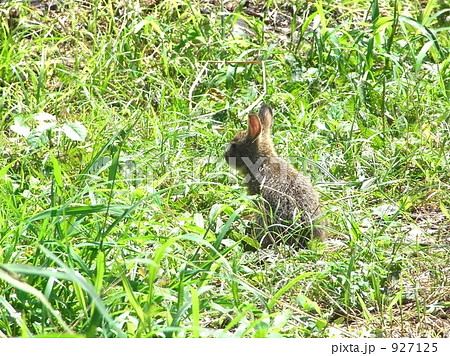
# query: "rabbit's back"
[[286, 190]]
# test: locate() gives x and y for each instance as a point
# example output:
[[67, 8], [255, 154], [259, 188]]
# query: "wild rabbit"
[[291, 205]]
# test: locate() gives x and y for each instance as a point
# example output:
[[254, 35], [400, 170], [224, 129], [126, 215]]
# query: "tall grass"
[[119, 217]]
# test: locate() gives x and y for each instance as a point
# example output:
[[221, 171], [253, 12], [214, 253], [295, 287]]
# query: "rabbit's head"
[[249, 145]]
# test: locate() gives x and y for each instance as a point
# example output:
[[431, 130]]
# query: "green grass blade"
[[288, 286]]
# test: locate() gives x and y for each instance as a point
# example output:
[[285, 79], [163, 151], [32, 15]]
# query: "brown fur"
[[291, 205]]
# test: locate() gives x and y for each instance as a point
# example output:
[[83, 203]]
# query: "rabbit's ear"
[[266, 116], [254, 126]]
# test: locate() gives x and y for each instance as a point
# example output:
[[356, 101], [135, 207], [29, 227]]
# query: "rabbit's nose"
[[227, 151], [227, 155]]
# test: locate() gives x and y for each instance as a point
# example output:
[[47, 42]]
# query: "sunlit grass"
[[120, 217]]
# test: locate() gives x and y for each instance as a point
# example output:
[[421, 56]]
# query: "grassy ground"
[[119, 216]]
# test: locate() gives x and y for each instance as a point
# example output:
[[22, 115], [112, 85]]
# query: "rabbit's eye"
[[233, 146]]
